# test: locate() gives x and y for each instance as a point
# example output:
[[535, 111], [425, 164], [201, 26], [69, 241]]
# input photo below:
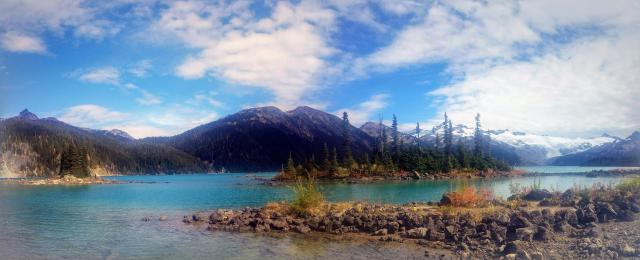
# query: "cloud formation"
[[510, 64], [16, 42], [103, 75], [364, 111], [89, 115], [283, 53]]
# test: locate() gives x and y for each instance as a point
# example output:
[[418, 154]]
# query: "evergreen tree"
[[291, 168], [326, 162], [73, 161], [418, 131], [395, 138], [437, 142], [346, 141], [334, 162], [477, 138], [448, 135]]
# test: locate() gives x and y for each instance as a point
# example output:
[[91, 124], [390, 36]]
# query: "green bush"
[[307, 198]]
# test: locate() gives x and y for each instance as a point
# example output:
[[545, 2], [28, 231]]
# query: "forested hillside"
[[36, 147]]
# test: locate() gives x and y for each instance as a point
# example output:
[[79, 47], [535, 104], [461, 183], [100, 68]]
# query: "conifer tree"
[[334, 162], [418, 131], [449, 138], [395, 139], [326, 162], [346, 141], [477, 138], [291, 168]]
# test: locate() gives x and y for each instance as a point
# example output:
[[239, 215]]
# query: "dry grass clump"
[[470, 197], [307, 198]]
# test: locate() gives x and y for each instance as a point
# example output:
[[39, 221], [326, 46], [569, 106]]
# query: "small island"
[[392, 159]]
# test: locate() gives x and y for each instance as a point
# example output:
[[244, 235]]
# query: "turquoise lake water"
[[103, 221]]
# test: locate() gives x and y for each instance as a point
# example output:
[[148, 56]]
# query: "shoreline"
[[584, 221], [66, 180], [464, 176]]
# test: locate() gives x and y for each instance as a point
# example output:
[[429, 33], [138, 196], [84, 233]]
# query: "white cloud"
[[93, 20], [553, 67], [365, 110], [17, 42], [584, 89], [104, 75], [141, 68], [284, 53], [89, 115], [208, 98], [169, 120], [148, 98]]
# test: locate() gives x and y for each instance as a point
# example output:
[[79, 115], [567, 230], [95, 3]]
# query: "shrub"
[[631, 185], [307, 199], [469, 196]]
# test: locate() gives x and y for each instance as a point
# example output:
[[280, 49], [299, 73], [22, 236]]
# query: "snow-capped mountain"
[[553, 145]]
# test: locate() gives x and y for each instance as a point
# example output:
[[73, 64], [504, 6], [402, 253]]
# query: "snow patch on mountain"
[[555, 146]]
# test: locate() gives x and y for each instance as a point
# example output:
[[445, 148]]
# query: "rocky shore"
[[66, 180], [406, 176], [402, 176], [599, 223]]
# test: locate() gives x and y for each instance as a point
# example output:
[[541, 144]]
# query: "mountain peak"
[[634, 136], [120, 133], [26, 114]]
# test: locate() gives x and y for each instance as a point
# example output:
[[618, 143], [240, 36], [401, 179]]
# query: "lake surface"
[[103, 221]]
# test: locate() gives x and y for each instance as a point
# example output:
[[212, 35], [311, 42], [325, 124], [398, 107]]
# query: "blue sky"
[[154, 67]]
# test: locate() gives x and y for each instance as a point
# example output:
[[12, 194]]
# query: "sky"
[[156, 68]]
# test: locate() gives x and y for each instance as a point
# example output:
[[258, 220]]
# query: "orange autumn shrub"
[[469, 196]]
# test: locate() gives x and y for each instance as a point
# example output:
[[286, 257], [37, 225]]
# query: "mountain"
[[30, 146], [621, 152], [259, 139]]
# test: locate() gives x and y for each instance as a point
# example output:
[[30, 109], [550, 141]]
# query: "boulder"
[[537, 195], [393, 227], [381, 232], [446, 198], [542, 234], [524, 234], [513, 247], [279, 224], [418, 233]]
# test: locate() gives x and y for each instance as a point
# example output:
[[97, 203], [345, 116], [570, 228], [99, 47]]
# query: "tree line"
[[392, 155]]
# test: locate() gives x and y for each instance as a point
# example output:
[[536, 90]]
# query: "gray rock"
[[381, 232], [537, 195]]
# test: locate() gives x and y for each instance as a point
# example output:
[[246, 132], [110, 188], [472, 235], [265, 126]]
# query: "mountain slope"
[[621, 152], [260, 139], [32, 147]]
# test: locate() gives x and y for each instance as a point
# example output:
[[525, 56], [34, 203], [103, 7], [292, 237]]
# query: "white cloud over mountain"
[[511, 65]]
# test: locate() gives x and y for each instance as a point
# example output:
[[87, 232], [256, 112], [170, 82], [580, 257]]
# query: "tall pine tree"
[[326, 160], [477, 138], [348, 161], [395, 138]]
